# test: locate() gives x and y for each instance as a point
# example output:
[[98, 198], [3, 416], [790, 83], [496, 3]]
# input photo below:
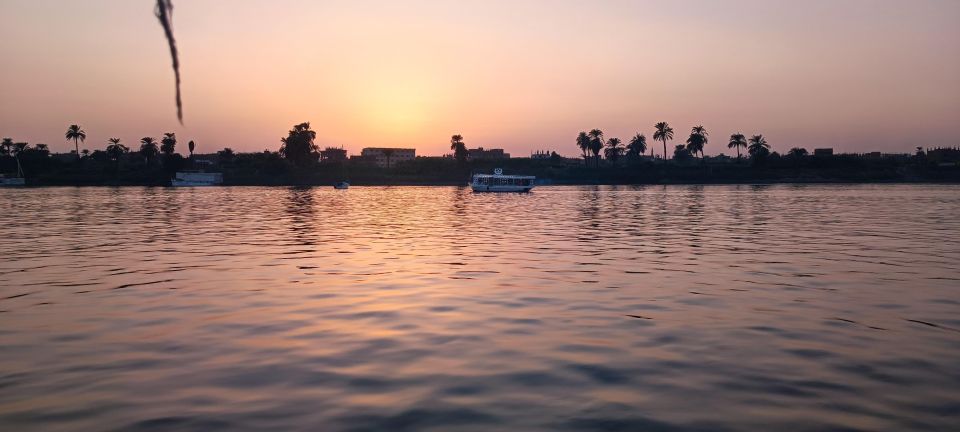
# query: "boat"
[[498, 182], [342, 185], [14, 181], [191, 179]]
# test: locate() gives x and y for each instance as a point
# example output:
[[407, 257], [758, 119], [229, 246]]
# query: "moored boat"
[[191, 179], [499, 182], [12, 181], [342, 185]]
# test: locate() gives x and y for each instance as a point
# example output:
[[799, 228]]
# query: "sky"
[[523, 75]]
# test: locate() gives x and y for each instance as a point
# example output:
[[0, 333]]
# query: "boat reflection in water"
[[498, 182]]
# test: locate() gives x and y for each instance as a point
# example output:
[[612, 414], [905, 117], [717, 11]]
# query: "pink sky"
[[856, 75]]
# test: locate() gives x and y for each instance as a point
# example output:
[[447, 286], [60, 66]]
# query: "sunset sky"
[[519, 74]]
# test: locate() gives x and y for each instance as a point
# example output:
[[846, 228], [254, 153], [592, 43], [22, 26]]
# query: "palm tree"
[[42, 148], [6, 146], [699, 142], [737, 140], [459, 148], [148, 148], [797, 152], [583, 141], [758, 146], [76, 134], [596, 143], [168, 144], [664, 133], [191, 146], [116, 150], [614, 150], [637, 146], [695, 144]]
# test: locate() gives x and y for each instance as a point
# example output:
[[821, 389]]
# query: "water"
[[570, 308]]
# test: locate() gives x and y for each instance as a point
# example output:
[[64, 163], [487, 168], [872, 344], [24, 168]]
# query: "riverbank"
[[269, 169]]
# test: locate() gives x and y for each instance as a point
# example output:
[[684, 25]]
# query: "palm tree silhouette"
[[797, 152], [695, 144], [664, 133], [613, 150], [459, 148], [76, 134], [737, 140], [6, 146], [148, 148], [168, 144], [758, 146], [583, 141], [596, 144], [116, 150], [191, 146], [698, 139], [637, 146]]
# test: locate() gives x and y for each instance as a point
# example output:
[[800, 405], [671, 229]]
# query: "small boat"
[[14, 181], [191, 179], [498, 182], [342, 185]]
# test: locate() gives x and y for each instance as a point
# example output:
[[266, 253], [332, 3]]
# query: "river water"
[[659, 308]]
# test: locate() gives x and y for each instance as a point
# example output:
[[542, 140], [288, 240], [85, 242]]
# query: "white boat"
[[342, 185], [498, 182], [190, 179]]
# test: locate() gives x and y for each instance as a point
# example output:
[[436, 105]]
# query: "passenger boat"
[[342, 185], [498, 182], [190, 179]]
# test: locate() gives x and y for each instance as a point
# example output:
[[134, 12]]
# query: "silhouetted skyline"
[[522, 75]]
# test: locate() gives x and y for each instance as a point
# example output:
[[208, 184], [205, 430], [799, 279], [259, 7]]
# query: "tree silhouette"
[[681, 153], [75, 133], [758, 147], [697, 140], [583, 141], [168, 144], [637, 146], [191, 146], [695, 144], [459, 148], [613, 150], [737, 141], [664, 133], [116, 150], [148, 148], [596, 144], [6, 147], [298, 146]]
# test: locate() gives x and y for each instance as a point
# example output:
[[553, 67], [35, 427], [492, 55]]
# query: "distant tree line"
[[592, 142], [152, 161]]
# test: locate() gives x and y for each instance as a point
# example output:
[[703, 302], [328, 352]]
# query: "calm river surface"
[[673, 308]]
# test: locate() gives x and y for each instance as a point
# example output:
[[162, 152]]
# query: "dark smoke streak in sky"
[[164, 12]]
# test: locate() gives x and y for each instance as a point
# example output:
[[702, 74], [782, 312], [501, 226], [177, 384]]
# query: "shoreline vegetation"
[[298, 162]]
